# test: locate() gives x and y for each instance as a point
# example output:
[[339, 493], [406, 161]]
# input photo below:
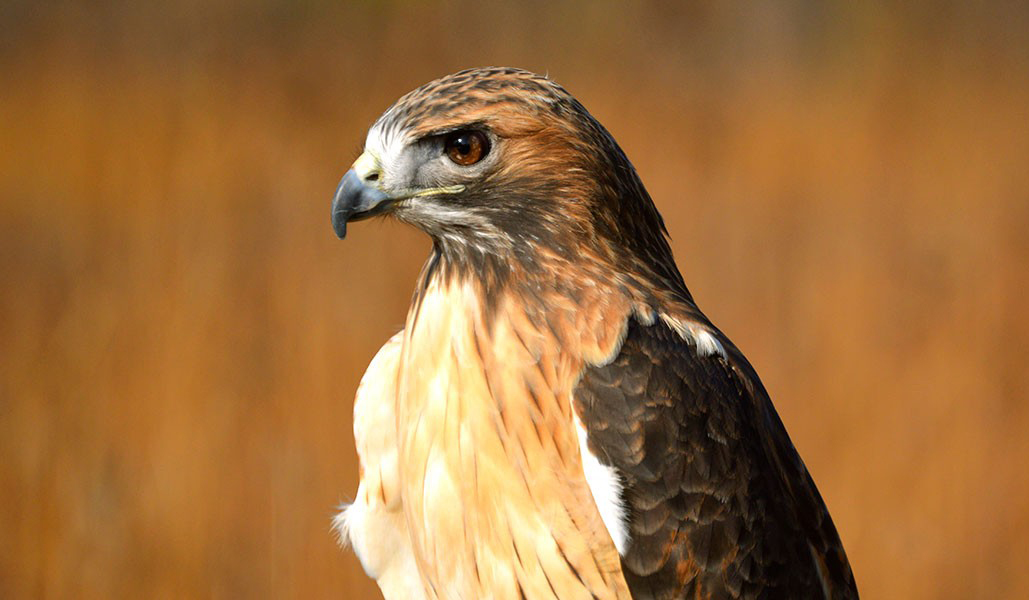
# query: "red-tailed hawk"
[[558, 419]]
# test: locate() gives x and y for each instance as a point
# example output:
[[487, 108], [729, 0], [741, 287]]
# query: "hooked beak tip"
[[339, 226]]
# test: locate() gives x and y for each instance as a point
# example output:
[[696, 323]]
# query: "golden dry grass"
[[181, 334]]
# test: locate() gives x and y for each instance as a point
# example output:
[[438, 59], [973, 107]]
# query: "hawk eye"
[[466, 147]]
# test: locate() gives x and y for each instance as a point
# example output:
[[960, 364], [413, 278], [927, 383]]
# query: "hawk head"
[[502, 166]]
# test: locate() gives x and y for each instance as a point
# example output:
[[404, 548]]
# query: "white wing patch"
[[607, 492]]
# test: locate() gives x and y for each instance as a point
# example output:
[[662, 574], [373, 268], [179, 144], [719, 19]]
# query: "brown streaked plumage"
[[558, 419]]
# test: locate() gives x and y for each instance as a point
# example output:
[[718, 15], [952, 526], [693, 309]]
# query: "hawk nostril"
[[372, 177]]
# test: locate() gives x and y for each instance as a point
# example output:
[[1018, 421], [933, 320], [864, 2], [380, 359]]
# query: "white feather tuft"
[[341, 525], [698, 335]]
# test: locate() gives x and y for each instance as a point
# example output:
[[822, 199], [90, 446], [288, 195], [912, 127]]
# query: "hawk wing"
[[718, 502]]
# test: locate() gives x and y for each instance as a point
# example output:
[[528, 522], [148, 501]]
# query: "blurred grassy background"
[[846, 184]]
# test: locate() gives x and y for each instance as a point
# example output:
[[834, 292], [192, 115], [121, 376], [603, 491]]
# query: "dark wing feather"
[[720, 504]]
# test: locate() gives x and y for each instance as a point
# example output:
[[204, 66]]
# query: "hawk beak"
[[357, 197]]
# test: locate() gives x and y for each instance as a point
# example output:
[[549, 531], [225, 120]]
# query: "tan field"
[[181, 334]]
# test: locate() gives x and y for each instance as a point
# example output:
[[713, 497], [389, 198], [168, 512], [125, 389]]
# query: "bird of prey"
[[558, 419]]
